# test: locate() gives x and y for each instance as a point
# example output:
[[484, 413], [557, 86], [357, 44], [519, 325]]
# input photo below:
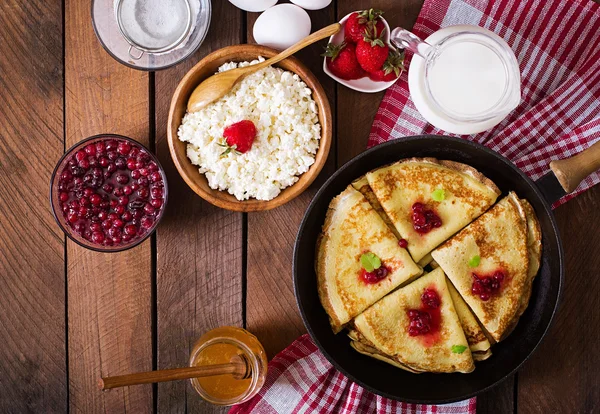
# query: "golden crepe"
[[384, 331], [478, 342], [352, 229], [363, 186], [489, 264], [462, 194]]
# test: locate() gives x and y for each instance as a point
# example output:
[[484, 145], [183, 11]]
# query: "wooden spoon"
[[238, 367], [218, 85]]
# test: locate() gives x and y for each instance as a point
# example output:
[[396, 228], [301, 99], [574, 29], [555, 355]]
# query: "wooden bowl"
[[197, 181]]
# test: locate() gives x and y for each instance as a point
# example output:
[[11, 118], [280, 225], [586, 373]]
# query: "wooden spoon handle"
[[571, 171], [309, 40], [237, 369]]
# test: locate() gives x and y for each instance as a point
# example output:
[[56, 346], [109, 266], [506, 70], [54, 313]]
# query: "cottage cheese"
[[288, 133]]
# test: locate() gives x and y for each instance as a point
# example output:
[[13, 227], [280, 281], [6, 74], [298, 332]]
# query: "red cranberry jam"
[[424, 220], [487, 286], [427, 319], [403, 243], [374, 276], [111, 192]]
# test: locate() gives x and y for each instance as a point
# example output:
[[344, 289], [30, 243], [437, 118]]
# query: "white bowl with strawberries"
[[360, 56]]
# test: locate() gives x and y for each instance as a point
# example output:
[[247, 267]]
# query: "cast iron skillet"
[[509, 355]]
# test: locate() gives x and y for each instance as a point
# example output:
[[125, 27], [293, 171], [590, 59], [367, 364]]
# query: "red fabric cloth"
[[557, 44], [301, 380]]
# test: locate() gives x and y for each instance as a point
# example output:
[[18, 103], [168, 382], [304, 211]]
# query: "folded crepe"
[[385, 330], [492, 263], [476, 337], [353, 229], [456, 193]]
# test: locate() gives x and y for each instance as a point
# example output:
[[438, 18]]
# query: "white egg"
[[312, 4], [253, 5], [281, 26]]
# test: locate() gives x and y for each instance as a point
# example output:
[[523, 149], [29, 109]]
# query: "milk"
[[467, 78], [462, 79]]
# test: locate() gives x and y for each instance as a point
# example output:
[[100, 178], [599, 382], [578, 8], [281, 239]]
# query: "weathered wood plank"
[[563, 375], [32, 274], [199, 246], [109, 294], [272, 313]]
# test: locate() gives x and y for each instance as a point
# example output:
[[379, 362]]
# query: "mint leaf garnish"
[[474, 261], [458, 349], [370, 261], [438, 195]]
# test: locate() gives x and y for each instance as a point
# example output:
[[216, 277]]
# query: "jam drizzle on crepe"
[[425, 322]]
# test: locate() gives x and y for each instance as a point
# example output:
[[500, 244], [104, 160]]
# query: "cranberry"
[[84, 164], [127, 216], [79, 227], [95, 227], [120, 209], [134, 186], [424, 220], [111, 145], [150, 210], [112, 155], [144, 171], [80, 155], [134, 151], [146, 222], [118, 192], [97, 237], [107, 224], [74, 204], [72, 217], [430, 299], [120, 163], [402, 242], [112, 216], [155, 176], [131, 164], [487, 286], [122, 178], [152, 166], [100, 147], [143, 192], [114, 232], [95, 199], [103, 161], [118, 223], [63, 196], [376, 275], [130, 230], [111, 168], [156, 202], [123, 148], [138, 214], [143, 182], [123, 200], [66, 175], [135, 174], [108, 188], [156, 192], [127, 190], [90, 149], [105, 205], [420, 322], [102, 215]]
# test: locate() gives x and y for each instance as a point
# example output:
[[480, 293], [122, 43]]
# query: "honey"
[[218, 347]]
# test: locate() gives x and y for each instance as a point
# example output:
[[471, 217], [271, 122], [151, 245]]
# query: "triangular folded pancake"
[[478, 342], [352, 227], [466, 195], [384, 330], [363, 186], [499, 240]]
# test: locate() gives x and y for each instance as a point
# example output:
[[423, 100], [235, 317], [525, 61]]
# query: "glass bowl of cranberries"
[[108, 193]]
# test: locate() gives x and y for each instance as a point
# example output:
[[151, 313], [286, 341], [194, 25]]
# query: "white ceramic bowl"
[[363, 84]]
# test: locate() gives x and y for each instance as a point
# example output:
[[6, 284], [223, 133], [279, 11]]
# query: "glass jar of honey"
[[219, 346]]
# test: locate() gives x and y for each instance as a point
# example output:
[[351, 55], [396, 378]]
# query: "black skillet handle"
[[572, 171]]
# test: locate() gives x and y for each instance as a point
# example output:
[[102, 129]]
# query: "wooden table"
[[69, 315]]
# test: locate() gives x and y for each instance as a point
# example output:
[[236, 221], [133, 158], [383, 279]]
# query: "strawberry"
[[372, 52], [359, 22], [341, 61], [392, 68], [238, 137]]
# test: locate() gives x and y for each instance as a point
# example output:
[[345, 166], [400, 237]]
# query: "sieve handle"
[[135, 57]]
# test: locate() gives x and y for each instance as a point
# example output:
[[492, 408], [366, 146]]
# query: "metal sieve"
[[168, 43]]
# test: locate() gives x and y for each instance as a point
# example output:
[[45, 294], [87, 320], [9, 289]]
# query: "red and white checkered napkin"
[[557, 44], [301, 380]]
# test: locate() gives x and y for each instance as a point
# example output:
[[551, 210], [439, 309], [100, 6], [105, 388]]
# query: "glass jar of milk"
[[463, 79]]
